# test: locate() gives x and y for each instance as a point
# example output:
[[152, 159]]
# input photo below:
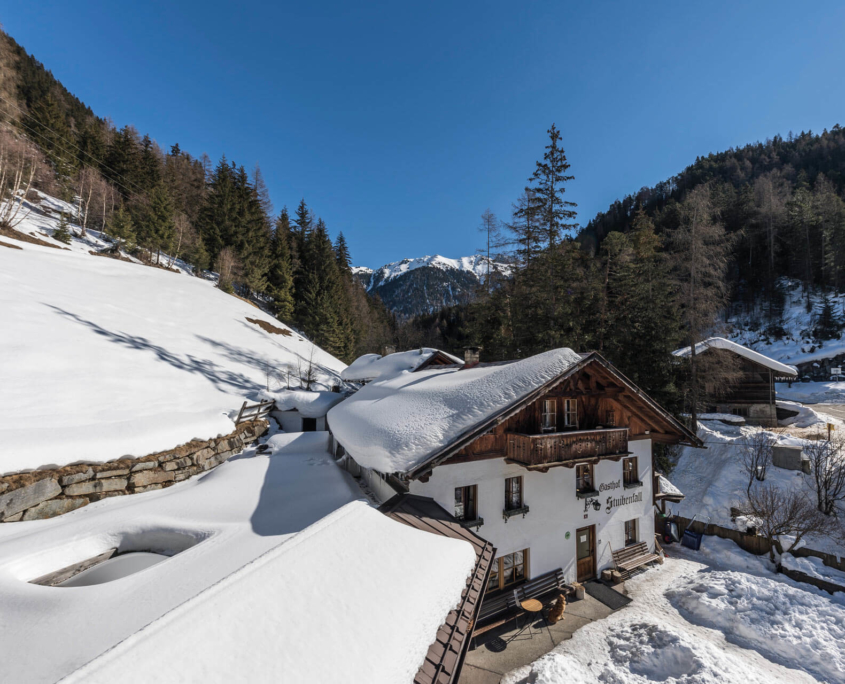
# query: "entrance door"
[[585, 543]]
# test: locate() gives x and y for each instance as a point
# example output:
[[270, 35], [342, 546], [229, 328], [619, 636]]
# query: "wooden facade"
[[751, 395], [607, 413], [536, 451]]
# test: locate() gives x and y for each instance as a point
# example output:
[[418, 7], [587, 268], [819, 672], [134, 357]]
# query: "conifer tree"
[[341, 250], [157, 226], [280, 275], [62, 232], [120, 227]]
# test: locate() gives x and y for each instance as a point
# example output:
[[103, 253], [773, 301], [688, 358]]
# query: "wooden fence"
[[758, 546]]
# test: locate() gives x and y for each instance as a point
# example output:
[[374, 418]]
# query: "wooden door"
[[585, 544]]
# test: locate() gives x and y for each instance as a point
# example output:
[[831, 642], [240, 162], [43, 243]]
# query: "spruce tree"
[[120, 227], [62, 232], [341, 250], [157, 226], [280, 275]]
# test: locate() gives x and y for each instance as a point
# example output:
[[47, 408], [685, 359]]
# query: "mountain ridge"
[[423, 285]]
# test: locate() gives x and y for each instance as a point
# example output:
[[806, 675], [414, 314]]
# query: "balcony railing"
[[562, 447]]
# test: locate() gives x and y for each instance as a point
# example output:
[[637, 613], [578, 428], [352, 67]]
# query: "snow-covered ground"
[[709, 617], [326, 599], [712, 480], [104, 358], [831, 392], [798, 345]]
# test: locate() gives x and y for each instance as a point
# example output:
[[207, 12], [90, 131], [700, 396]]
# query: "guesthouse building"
[[548, 458]]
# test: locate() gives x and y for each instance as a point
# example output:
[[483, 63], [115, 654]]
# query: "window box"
[[632, 485], [586, 494], [472, 524], [509, 513]]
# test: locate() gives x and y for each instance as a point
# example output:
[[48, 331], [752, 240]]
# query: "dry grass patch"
[[269, 327], [23, 237], [6, 244]]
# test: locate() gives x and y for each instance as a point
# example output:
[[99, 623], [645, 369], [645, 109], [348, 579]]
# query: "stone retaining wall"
[[47, 493]]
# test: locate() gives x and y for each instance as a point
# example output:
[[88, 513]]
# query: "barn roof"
[[750, 354]]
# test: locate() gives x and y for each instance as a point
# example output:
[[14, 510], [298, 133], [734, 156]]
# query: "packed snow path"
[[705, 618], [107, 359]]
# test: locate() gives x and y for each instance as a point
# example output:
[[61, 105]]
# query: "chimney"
[[472, 355], [389, 349]]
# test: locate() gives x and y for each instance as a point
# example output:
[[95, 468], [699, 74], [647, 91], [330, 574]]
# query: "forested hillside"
[[781, 201], [666, 267], [152, 201]]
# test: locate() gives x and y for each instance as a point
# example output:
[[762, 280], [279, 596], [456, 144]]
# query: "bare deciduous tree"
[[20, 164], [185, 236], [228, 269], [701, 250], [827, 465], [785, 513], [756, 455]]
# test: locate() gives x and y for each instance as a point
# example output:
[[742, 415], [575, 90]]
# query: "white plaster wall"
[[554, 508]]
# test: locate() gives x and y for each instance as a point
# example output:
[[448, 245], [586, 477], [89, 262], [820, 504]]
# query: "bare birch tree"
[[20, 164]]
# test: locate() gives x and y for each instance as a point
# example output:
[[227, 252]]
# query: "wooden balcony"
[[566, 448]]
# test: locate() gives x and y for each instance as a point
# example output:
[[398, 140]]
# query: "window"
[[508, 570], [549, 416], [740, 411], [465, 502], [584, 478], [610, 419], [630, 532], [630, 472], [513, 493], [570, 412], [309, 424]]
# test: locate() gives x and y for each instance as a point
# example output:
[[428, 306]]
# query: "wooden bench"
[[632, 557], [507, 604]]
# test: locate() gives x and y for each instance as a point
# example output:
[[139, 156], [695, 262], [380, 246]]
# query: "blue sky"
[[400, 123]]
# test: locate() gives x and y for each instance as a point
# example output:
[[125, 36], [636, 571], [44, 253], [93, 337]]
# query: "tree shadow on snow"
[[221, 378]]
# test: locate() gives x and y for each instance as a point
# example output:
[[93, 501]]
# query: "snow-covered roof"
[[373, 366], [309, 404], [354, 598], [757, 357], [667, 489], [402, 419]]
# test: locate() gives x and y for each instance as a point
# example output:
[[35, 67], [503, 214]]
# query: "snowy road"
[[835, 410]]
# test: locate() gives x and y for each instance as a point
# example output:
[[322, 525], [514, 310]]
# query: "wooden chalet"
[[751, 391]]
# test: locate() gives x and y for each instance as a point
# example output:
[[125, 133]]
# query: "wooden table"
[[534, 608]]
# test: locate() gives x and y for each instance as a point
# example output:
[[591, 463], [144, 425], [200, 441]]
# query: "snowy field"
[[106, 358], [288, 575], [709, 617]]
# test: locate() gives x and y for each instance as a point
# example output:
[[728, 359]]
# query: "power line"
[[64, 149]]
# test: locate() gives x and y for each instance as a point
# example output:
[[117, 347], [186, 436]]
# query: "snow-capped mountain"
[[417, 286]]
